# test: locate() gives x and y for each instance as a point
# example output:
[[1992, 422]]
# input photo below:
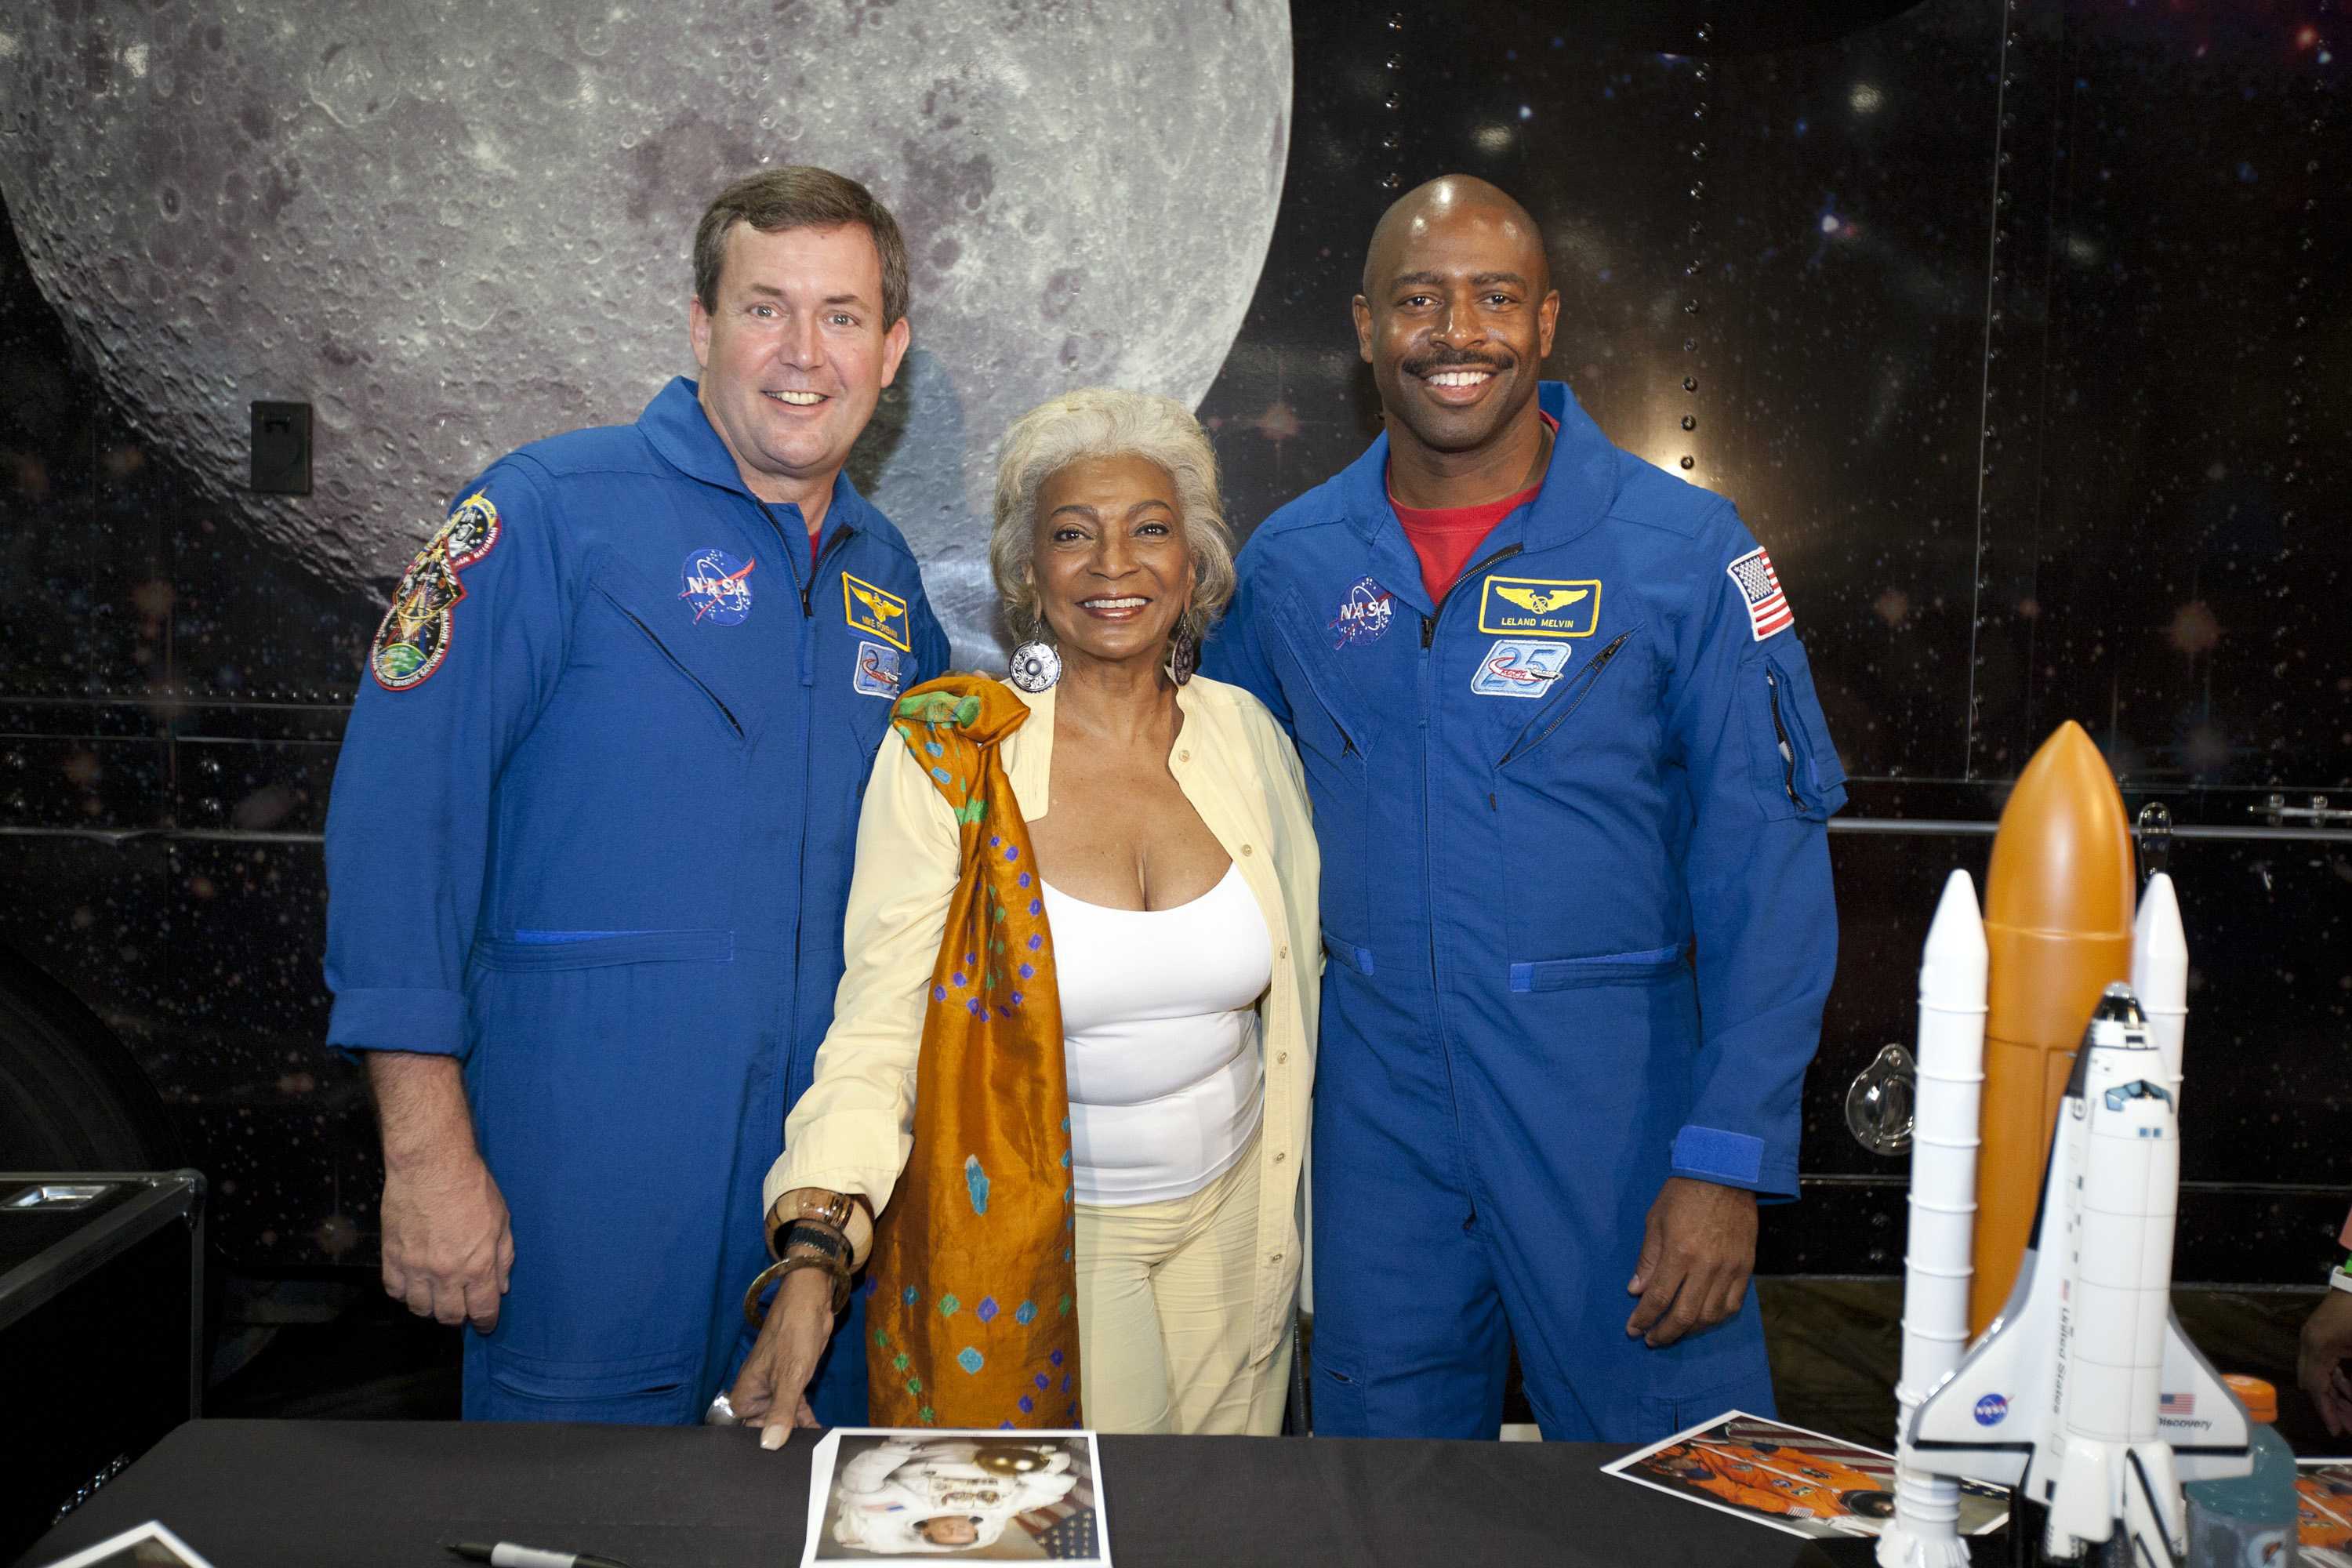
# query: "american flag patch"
[[2176, 1404], [1760, 586]]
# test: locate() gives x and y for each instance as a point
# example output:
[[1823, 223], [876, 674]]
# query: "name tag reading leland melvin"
[[1539, 607]]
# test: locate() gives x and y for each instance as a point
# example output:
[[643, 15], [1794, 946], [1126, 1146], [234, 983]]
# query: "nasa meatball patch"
[[1760, 588], [415, 634], [718, 587], [1365, 612]]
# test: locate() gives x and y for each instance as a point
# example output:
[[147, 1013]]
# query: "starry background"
[[2016, 328]]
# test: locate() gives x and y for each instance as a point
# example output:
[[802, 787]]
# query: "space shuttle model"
[[2082, 1395]]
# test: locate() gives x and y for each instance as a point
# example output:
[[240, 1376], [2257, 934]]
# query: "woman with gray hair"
[[1164, 818]]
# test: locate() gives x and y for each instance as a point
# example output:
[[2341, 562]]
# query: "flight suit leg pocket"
[[1337, 1395], [1660, 1415], [656, 1390], [1567, 974]]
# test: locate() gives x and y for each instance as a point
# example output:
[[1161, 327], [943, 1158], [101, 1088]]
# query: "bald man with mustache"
[[1571, 785]]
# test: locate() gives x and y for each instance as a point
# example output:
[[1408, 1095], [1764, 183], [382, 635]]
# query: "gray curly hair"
[[1104, 422]]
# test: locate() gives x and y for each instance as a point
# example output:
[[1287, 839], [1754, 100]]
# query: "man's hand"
[[448, 1248], [775, 1375], [2326, 1344], [447, 1245], [1698, 1248]]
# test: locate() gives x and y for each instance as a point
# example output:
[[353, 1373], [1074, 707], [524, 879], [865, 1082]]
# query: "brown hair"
[[798, 195]]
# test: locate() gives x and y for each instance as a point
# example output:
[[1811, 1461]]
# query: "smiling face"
[[949, 1529], [795, 354], [1456, 315], [1112, 566]]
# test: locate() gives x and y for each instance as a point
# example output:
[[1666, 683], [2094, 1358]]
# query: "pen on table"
[[506, 1554]]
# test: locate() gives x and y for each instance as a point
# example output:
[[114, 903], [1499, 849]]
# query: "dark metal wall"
[[2016, 328]]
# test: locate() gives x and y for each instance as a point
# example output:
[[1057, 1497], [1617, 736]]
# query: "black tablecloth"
[[356, 1494]]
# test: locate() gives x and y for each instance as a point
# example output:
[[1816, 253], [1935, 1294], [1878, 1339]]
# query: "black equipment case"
[[101, 1332]]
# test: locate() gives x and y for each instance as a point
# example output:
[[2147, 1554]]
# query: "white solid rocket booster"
[[2159, 975], [1925, 1531]]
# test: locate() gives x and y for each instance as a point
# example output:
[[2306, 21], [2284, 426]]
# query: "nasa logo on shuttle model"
[[1990, 1410]]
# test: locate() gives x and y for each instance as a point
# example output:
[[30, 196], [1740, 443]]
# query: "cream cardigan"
[[852, 1131]]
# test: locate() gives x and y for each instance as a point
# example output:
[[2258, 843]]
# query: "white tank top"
[[1160, 1035]]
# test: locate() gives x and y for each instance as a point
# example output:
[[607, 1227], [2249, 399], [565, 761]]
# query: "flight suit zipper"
[[826, 549], [1780, 735], [1428, 858]]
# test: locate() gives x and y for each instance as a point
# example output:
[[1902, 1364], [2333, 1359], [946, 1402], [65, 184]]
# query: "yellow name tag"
[[876, 610], [1539, 607]]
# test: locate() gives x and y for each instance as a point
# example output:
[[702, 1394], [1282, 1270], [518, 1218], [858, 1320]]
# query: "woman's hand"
[[771, 1392]]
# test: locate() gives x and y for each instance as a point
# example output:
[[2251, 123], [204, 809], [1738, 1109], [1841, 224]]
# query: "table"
[[357, 1494]]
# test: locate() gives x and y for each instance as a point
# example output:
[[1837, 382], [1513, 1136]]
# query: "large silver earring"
[[1183, 654], [1036, 666]]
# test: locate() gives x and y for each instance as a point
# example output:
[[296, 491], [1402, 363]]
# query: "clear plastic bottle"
[[2248, 1521]]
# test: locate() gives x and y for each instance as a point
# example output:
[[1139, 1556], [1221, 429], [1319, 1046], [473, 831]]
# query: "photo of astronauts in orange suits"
[[1802, 1482], [2324, 1508]]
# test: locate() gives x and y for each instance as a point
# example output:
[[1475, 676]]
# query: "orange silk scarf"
[[973, 1316]]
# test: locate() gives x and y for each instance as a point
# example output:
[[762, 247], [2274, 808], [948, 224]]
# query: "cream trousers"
[[1164, 1293]]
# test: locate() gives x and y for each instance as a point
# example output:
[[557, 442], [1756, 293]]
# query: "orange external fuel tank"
[[2058, 930]]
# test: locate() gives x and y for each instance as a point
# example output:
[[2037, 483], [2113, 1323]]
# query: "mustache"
[[1454, 358]]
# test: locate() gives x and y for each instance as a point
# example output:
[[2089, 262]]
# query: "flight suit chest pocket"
[[1330, 718], [1793, 770], [1337, 734], [659, 638], [1581, 696]]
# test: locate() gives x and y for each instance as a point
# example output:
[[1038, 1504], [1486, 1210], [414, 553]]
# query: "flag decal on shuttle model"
[[1760, 586], [2176, 1404]]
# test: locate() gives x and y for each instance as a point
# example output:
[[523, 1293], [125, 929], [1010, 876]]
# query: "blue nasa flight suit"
[[1578, 928], [591, 832]]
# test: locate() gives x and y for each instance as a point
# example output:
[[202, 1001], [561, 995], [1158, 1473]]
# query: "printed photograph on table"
[[1805, 1483], [915, 1496], [2323, 1497], [151, 1545]]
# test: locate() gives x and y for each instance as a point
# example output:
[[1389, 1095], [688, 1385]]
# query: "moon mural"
[[454, 228]]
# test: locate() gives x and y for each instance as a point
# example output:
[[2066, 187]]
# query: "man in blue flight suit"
[[1570, 780], [590, 840]]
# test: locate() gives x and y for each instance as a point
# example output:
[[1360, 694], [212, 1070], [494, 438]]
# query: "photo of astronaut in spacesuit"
[[966, 1495]]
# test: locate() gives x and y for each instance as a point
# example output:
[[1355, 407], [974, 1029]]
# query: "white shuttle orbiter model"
[[2084, 1394]]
